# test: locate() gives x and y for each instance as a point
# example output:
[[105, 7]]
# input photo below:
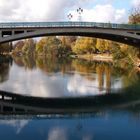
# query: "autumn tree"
[[65, 47], [90, 45], [134, 17], [40, 45], [100, 45], [5, 48], [52, 45], [78, 48], [84, 45], [28, 47], [48, 46], [17, 48]]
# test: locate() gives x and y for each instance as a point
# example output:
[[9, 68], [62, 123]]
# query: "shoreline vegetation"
[[95, 57], [86, 48]]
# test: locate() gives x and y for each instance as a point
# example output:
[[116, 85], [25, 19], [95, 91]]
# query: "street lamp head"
[[69, 16], [79, 10]]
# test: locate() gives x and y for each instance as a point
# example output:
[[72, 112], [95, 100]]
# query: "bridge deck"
[[69, 24]]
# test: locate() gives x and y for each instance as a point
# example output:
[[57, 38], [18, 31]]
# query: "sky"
[[115, 11]]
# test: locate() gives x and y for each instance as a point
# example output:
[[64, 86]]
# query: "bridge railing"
[[69, 24]]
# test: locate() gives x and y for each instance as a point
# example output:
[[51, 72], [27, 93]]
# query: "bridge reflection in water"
[[18, 104]]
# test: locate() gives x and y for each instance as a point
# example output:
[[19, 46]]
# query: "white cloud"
[[57, 10], [102, 13], [80, 86], [135, 3], [120, 16], [32, 10]]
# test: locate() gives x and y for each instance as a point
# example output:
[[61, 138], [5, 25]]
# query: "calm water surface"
[[49, 77], [106, 125]]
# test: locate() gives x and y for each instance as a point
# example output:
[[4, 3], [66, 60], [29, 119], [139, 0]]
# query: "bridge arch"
[[123, 35]]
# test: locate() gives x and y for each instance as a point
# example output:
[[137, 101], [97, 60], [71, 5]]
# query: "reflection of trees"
[[104, 74], [100, 72], [27, 61], [103, 71], [52, 65], [18, 61], [84, 66], [5, 63], [87, 69], [5, 48], [48, 64], [108, 71], [131, 78]]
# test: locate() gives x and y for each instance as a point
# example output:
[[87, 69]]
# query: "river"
[[71, 78]]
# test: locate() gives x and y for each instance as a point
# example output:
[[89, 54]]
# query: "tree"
[[100, 45], [52, 46], [5, 48], [18, 46], [79, 45], [29, 47], [84, 45], [90, 45], [134, 17], [40, 45], [109, 46], [48, 46]]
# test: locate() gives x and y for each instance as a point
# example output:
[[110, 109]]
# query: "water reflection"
[[17, 125], [56, 133], [52, 77], [5, 63], [107, 125]]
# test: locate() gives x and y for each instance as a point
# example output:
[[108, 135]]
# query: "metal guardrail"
[[69, 24]]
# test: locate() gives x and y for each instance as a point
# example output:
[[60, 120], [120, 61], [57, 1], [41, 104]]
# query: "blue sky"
[[57, 10]]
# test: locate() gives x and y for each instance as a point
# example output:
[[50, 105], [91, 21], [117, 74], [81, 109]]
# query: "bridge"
[[11, 103], [123, 33]]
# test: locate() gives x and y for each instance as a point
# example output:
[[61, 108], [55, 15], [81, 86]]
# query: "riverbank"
[[108, 58], [96, 57]]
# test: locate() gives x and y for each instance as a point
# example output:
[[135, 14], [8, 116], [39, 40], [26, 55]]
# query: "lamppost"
[[80, 11], [70, 16]]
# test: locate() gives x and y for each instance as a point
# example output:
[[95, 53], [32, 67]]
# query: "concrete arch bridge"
[[123, 33]]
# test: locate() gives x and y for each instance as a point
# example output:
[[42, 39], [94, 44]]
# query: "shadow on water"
[[11, 103]]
